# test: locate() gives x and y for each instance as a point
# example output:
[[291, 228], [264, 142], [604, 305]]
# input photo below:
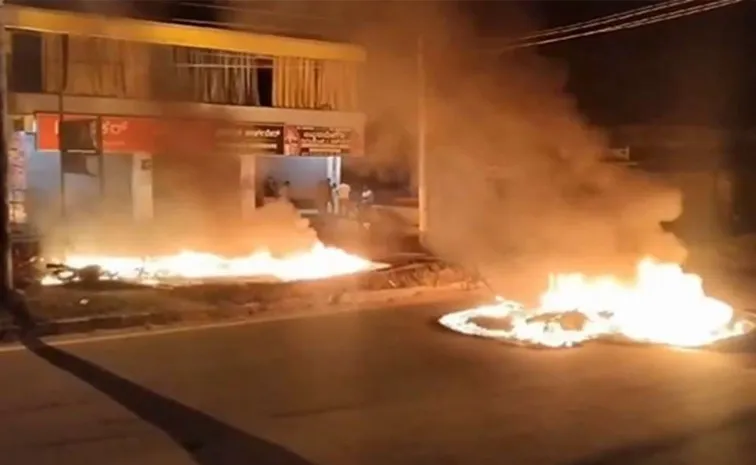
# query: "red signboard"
[[119, 134], [127, 134]]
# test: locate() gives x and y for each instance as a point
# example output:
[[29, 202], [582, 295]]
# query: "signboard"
[[17, 170], [119, 134], [123, 134], [320, 141], [250, 138]]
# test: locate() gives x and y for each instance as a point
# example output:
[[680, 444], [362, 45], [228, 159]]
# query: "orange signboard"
[[128, 134], [119, 134]]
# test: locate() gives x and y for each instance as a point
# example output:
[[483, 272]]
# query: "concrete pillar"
[[141, 186], [248, 179]]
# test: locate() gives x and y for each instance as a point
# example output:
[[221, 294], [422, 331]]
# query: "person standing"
[[367, 198], [270, 190], [343, 192], [332, 197], [284, 191], [323, 197]]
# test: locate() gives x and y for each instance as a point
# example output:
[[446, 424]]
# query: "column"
[[248, 178], [141, 187]]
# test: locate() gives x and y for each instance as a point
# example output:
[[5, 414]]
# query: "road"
[[371, 388]]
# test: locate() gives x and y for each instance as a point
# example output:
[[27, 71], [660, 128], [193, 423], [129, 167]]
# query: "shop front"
[[75, 191], [311, 155], [183, 174]]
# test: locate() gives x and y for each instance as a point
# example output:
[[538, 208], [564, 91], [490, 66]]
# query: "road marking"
[[60, 341]]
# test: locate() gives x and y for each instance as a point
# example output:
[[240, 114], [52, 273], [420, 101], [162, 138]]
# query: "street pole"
[[61, 114], [422, 175], [6, 267]]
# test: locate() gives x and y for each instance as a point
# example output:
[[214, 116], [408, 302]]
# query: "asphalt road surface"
[[372, 388]]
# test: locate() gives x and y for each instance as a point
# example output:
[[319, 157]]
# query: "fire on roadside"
[[662, 305], [319, 262]]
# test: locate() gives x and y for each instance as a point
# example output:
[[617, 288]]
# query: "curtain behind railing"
[[316, 84], [218, 77], [109, 68], [97, 67]]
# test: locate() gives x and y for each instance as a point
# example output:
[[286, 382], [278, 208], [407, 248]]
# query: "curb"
[[292, 307]]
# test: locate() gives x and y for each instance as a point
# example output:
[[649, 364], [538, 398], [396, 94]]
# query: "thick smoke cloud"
[[516, 181], [517, 184], [518, 188]]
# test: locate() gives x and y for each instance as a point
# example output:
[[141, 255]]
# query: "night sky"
[[693, 70]]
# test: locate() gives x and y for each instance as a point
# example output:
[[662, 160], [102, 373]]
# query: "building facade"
[[193, 119]]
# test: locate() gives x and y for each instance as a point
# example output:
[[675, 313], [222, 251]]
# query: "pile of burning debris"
[[320, 263], [664, 305], [64, 274], [317, 263]]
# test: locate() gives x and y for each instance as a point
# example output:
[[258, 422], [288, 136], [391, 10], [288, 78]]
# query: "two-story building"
[[193, 118]]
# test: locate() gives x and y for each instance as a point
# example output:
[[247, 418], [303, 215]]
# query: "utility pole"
[[422, 161], [6, 254], [61, 114]]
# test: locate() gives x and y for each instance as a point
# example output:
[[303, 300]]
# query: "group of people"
[[341, 199], [330, 198]]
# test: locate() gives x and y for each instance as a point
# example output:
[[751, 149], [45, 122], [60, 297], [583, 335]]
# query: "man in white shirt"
[[342, 196]]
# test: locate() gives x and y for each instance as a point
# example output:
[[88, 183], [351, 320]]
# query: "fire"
[[663, 305], [318, 262]]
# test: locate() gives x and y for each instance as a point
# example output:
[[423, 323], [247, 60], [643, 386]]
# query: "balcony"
[[99, 67]]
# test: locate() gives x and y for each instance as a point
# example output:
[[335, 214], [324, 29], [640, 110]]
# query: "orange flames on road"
[[318, 262], [663, 305]]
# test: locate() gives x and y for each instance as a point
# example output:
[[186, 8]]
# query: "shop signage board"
[[250, 138], [122, 134], [17, 170], [320, 141], [118, 134]]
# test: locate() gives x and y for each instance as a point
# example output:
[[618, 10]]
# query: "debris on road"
[[89, 303]]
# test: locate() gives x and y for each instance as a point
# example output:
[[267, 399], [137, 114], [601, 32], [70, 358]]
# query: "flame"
[[663, 305], [318, 262]]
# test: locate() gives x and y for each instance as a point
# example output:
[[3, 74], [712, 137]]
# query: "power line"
[[627, 25], [612, 18], [638, 17]]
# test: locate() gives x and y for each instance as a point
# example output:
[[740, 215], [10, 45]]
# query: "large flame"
[[318, 262], [662, 305]]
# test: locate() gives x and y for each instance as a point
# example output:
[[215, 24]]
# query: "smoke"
[[276, 227], [517, 186], [516, 183]]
